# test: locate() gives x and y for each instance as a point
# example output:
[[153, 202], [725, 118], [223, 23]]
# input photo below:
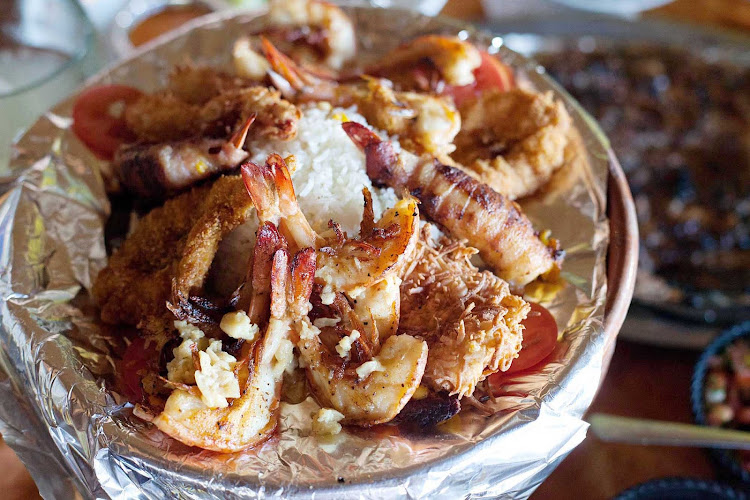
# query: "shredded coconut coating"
[[469, 319]]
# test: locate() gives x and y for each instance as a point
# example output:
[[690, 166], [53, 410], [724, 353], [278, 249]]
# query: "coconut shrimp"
[[513, 140], [469, 319], [252, 415], [164, 116], [374, 385], [465, 207], [427, 123]]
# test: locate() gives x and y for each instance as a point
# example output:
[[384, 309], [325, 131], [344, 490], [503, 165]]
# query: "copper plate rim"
[[622, 255]]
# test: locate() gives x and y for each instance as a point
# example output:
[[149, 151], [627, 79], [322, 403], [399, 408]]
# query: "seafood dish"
[[306, 227]]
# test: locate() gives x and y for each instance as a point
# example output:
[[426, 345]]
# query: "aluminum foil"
[[74, 433]]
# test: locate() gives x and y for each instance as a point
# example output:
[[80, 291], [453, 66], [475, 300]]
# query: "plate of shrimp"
[[324, 246]]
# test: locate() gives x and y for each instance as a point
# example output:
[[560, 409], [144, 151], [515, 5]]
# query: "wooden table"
[[642, 381]]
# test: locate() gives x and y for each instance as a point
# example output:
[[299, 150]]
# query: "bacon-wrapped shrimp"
[[156, 170], [464, 206]]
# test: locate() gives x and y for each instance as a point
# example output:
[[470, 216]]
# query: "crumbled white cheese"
[[181, 368], [324, 322], [237, 325], [365, 369], [307, 330], [327, 296], [283, 359], [345, 344], [326, 422], [216, 379], [188, 331]]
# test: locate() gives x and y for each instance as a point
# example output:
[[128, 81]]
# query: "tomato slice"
[[491, 74], [136, 359], [98, 118], [539, 339]]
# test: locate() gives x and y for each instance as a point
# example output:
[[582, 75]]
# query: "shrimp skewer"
[[464, 206]]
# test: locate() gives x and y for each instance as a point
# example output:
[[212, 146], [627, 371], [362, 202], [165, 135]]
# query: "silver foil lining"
[[74, 433]]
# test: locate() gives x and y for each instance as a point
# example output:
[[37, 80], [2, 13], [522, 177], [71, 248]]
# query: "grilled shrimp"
[[351, 265], [455, 61], [369, 392], [465, 207], [154, 170], [373, 387], [469, 319], [514, 140], [319, 25], [271, 189], [427, 123], [344, 264], [250, 418]]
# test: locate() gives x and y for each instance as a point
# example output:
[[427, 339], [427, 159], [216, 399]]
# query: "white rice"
[[330, 170], [328, 181]]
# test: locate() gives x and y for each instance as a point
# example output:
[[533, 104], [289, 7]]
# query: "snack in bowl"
[[720, 391], [319, 221]]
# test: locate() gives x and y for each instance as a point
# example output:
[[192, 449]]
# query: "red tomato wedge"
[[490, 74], [98, 118], [136, 359], [539, 339]]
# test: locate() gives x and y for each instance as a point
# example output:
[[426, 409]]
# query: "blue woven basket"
[[725, 458], [681, 488]]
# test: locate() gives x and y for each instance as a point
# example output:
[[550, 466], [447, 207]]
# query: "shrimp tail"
[[291, 77], [259, 182], [380, 156], [271, 189], [238, 138], [255, 295], [293, 80]]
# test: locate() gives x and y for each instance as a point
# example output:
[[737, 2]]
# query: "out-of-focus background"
[[668, 82]]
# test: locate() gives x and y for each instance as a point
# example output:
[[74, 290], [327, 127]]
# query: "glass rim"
[[75, 58]]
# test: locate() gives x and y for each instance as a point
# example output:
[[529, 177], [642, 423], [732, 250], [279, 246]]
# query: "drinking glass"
[[47, 48]]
